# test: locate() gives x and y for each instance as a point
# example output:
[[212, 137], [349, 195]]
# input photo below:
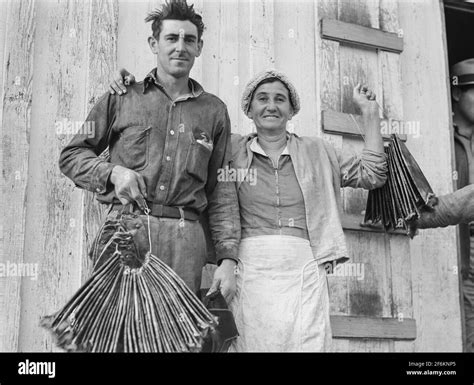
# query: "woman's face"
[[270, 108]]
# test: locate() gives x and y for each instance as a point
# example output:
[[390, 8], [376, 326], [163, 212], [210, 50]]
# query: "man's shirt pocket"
[[132, 147], [197, 160]]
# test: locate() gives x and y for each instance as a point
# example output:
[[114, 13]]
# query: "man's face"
[[270, 108], [466, 103], [177, 47]]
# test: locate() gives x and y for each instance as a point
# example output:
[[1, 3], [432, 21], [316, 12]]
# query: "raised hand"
[[364, 98]]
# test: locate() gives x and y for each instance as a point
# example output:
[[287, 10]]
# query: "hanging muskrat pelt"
[[133, 302], [405, 194]]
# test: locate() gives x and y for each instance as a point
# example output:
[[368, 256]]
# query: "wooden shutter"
[[361, 41]]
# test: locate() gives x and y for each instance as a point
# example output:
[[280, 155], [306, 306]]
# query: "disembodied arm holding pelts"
[[449, 210]]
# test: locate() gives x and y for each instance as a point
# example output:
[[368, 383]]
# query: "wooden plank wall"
[[65, 63], [17, 44], [4, 344], [53, 237]]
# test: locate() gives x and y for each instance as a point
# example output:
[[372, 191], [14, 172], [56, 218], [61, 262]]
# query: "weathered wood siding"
[[56, 58]]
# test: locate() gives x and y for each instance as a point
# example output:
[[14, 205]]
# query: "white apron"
[[282, 302]]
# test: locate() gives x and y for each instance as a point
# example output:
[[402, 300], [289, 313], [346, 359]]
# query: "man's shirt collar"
[[152, 78]]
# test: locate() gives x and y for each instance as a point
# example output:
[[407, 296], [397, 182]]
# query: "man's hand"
[[122, 78], [364, 98], [224, 280], [129, 186]]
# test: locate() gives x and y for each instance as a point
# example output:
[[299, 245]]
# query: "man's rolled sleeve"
[[79, 160], [367, 170], [223, 207]]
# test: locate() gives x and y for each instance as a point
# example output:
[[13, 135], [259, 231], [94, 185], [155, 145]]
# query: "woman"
[[290, 217]]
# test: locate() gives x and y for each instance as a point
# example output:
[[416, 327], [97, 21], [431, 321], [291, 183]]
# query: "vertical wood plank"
[[400, 258], [53, 234], [133, 52], [362, 12], [17, 66], [372, 294], [330, 74], [388, 17], [3, 287], [295, 39], [196, 71], [328, 80], [244, 124], [102, 57], [3, 34], [210, 54], [228, 60], [389, 64], [389, 67], [261, 43], [329, 86], [256, 46], [401, 301]]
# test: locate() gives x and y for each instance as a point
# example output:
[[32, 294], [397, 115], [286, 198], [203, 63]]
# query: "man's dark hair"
[[174, 10]]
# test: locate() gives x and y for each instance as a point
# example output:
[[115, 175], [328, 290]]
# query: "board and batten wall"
[[56, 59]]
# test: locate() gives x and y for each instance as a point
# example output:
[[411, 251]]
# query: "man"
[[457, 208], [167, 139], [463, 119]]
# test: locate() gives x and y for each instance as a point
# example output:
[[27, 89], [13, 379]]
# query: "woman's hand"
[[122, 78], [224, 280], [364, 98]]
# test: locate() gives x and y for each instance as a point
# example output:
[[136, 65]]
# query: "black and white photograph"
[[237, 176]]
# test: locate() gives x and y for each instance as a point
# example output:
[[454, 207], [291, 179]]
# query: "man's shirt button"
[[172, 132], [168, 158], [162, 187]]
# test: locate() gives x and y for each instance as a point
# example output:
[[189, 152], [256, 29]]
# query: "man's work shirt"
[[271, 202], [178, 146], [465, 174]]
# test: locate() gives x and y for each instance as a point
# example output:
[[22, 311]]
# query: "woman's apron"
[[282, 301]]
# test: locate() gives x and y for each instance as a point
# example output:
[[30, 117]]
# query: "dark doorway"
[[459, 17], [459, 21]]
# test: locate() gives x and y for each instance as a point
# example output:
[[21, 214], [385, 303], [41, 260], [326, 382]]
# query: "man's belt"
[[163, 211]]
